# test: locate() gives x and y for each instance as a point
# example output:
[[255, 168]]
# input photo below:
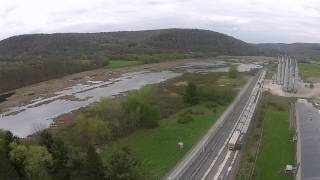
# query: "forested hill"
[[298, 50], [64, 45]]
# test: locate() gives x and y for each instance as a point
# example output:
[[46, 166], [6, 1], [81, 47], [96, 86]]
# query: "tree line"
[[51, 159], [17, 74]]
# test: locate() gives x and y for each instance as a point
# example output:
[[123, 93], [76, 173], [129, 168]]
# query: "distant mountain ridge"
[[79, 44], [32, 58], [298, 50]]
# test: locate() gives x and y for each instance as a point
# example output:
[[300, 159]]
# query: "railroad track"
[[213, 151]]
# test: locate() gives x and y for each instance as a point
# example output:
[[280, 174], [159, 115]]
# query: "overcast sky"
[[249, 20]]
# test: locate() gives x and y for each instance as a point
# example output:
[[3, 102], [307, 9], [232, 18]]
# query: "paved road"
[[215, 160], [308, 153]]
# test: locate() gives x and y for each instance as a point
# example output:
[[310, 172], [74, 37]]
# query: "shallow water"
[[217, 66], [248, 67], [40, 114]]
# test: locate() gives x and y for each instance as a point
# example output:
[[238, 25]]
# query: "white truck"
[[234, 141]]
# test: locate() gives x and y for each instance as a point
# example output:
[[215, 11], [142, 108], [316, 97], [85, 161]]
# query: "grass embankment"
[[310, 72], [276, 149], [122, 63], [157, 148]]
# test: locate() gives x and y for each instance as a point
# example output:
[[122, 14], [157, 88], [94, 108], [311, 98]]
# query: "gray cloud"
[[250, 20]]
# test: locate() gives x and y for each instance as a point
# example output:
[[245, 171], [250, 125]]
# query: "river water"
[[309, 133], [218, 66], [25, 120], [40, 114]]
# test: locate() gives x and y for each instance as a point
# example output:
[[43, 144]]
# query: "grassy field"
[[276, 148], [310, 72], [122, 63], [157, 147]]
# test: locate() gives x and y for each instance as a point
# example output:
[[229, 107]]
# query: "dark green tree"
[[46, 139], [191, 94], [76, 164], [150, 115], [93, 167], [9, 138], [7, 170], [59, 152], [123, 166], [36, 160], [139, 112]]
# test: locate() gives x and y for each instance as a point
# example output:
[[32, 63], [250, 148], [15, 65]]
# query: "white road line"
[[221, 166], [214, 161], [232, 163]]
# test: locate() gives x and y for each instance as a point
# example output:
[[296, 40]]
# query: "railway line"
[[211, 158]]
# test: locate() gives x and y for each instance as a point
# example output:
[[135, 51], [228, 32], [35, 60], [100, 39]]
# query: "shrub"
[[233, 72], [185, 118], [150, 116], [216, 94], [88, 131], [191, 94], [141, 113]]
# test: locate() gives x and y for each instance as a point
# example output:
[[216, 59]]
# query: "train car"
[[233, 143]]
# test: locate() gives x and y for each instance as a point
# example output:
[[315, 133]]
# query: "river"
[[40, 113]]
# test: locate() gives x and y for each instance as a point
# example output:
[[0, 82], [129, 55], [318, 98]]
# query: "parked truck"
[[235, 141]]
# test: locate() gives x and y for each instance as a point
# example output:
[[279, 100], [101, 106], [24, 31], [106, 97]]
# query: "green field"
[[310, 72], [122, 63], [277, 149], [157, 147]]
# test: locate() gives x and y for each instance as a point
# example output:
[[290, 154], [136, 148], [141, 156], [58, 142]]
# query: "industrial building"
[[287, 74]]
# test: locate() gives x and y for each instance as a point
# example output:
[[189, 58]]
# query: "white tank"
[[278, 78], [283, 66], [286, 73]]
